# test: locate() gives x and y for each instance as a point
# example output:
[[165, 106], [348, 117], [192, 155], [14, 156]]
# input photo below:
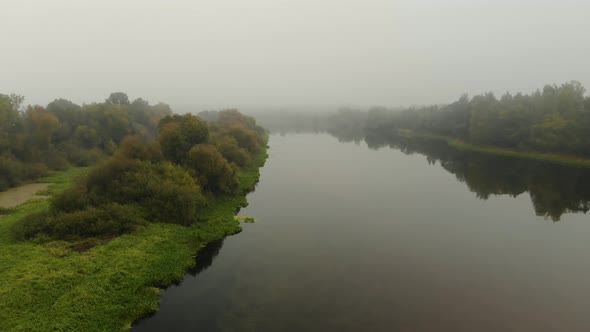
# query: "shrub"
[[110, 219], [246, 138], [35, 170], [31, 226], [228, 147], [179, 133], [72, 199], [11, 172], [213, 171], [135, 147], [164, 189]]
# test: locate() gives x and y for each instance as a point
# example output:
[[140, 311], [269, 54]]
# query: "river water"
[[395, 236]]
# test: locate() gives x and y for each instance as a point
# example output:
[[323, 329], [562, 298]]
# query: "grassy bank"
[[549, 157], [461, 145], [102, 284]]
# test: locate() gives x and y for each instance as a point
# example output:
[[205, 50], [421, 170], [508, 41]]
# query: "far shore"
[[556, 158]]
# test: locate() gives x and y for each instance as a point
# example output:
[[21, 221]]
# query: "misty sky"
[[226, 53]]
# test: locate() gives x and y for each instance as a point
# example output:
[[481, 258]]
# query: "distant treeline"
[[36, 139], [554, 120], [151, 165]]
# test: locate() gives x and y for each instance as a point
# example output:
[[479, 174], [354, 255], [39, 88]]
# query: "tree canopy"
[[151, 166]]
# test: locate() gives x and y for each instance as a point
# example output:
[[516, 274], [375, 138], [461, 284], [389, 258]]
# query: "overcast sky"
[[222, 53]]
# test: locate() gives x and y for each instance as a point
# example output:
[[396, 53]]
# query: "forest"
[[555, 119], [151, 165], [37, 139]]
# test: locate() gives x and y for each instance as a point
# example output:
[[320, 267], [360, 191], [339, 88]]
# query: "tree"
[[118, 98], [228, 147], [69, 116], [212, 171], [245, 137], [484, 119], [41, 125], [16, 101], [178, 134], [9, 121]]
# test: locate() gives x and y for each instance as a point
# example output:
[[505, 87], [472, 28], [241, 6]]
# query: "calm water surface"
[[349, 238]]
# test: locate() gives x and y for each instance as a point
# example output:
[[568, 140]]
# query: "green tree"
[[118, 98], [213, 172], [178, 134], [41, 125]]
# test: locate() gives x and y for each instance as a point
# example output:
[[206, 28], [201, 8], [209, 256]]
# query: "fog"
[[278, 53]]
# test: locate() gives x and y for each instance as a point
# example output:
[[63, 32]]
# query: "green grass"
[[102, 284], [549, 157]]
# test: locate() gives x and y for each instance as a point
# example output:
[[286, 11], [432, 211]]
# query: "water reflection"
[[206, 256], [554, 189], [204, 260], [391, 243]]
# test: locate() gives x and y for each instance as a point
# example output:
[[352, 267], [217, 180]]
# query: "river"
[[394, 236]]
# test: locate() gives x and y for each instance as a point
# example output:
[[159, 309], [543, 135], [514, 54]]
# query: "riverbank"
[[462, 145], [548, 157], [103, 284]]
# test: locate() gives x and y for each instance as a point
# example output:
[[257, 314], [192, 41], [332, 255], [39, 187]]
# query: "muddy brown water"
[[16, 196]]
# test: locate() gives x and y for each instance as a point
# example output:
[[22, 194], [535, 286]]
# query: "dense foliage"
[[36, 139], [554, 120], [103, 283], [164, 171]]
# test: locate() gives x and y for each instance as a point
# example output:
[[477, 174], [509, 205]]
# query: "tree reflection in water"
[[554, 189], [206, 256]]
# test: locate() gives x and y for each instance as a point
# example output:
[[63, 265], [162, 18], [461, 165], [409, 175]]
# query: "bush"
[[11, 172], [213, 171], [35, 170], [110, 219], [135, 147], [82, 157], [179, 133], [31, 226], [246, 138], [163, 189], [228, 147], [72, 199], [55, 160]]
